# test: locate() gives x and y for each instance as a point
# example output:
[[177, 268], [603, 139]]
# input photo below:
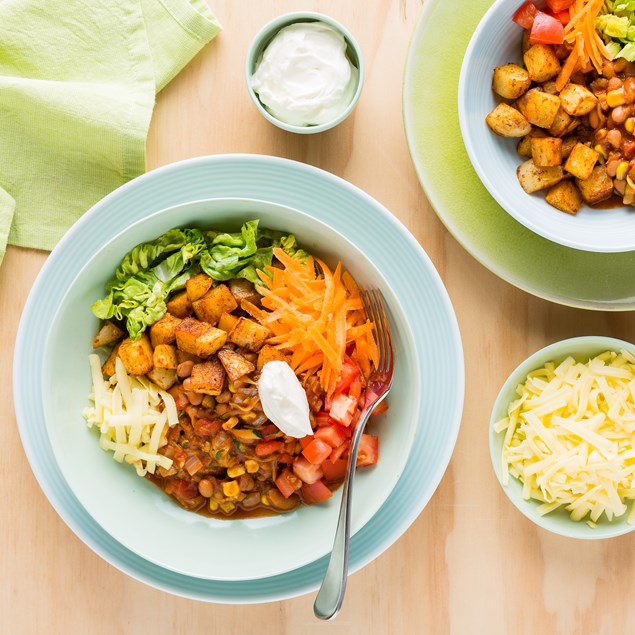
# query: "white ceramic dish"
[[497, 41]]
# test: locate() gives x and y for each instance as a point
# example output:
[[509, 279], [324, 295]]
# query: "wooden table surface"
[[470, 563]]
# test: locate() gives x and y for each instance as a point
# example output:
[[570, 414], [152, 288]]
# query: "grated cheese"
[[132, 415], [570, 437]]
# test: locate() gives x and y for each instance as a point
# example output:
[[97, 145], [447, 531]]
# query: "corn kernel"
[[230, 385], [264, 500], [622, 169], [227, 507], [630, 182], [241, 496], [231, 489], [213, 505], [601, 133], [208, 401], [233, 472], [230, 423], [629, 124], [251, 466], [599, 148], [616, 97]]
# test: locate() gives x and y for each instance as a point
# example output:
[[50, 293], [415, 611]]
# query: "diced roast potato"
[[565, 196], [244, 290], [165, 356], [208, 377], [550, 87], [210, 341], [539, 108], [269, 354], [109, 366], [546, 152], [524, 145], [541, 62], [108, 334], [227, 322], [563, 124], [510, 81], [164, 331], [164, 378], [136, 356], [197, 286], [597, 187], [180, 305], [577, 100], [214, 303], [533, 178], [568, 143], [234, 363], [581, 161], [187, 332], [507, 122], [248, 334]]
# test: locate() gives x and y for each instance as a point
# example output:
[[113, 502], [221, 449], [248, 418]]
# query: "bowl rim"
[[552, 352], [512, 208], [261, 40]]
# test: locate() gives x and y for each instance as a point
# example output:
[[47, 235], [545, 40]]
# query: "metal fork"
[[331, 594]]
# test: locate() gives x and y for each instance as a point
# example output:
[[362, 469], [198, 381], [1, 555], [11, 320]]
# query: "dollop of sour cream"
[[283, 399], [304, 77]]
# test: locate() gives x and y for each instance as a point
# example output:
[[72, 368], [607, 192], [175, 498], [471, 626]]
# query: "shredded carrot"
[[314, 314]]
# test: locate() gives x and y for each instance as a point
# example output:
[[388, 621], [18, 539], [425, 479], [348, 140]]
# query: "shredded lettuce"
[[152, 270]]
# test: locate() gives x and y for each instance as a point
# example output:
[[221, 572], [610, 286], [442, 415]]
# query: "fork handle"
[[331, 594]]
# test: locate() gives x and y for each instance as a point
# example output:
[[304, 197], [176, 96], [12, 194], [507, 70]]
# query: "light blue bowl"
[[268, 32], [581, 349]]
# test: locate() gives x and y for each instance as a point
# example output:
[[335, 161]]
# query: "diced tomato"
[[558, 5], [287, 482], [380, 408], [317, 451], [206, 427], [323, 419], [526, 14], [180, 488], [304, 441], [561, 16], [334, 434], [315, 493], [268, 447], [355, 390], [546, 30], [306, 471], [368, 450], [343, 408], [339, 451], [334, 470], [285, 457], [349, 373]]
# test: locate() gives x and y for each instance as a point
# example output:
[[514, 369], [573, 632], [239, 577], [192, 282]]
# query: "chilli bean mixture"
[[215, 451]]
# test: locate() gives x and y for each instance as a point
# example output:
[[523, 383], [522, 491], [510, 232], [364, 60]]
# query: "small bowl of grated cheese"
[[562, 437]]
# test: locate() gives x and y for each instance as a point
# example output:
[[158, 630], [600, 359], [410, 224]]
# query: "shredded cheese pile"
[[132, 414], [570, 437]]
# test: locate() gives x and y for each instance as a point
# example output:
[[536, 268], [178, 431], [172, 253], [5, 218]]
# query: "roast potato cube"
[[164, 331], [214, 303], [210, 341], [227, 322], [533, 178], [510, 81], [208, 377], [546, 152], [165, 356], [197, 286], [598, 187], [539, 108], [563, 124], [269, 354], [234, 363], [108, 334], [244, 290], [187, 332], [180, 305], [109, 366], [507, 122], [568, 143], [164, 378], [524, 145], [550, 87], [248, 334], [136, 356], [581, 161], [577, 100], [541, 62], [565, 196]]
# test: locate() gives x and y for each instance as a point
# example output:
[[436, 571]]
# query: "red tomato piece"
[[368, 450], [334, 471], [322, 419], [380, 408], [355, 390], [304, 441], [526, 14], [315, 493], [317, 451], [287, 482], [306, 471], [558, 5], [268, 447], [343, 408], [546, 30], [180, 488], [561, 16], [334, 434]]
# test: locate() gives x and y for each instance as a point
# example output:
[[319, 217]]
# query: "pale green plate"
[[534, 264]]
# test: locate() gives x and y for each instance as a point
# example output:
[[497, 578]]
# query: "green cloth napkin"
[[78, 80]]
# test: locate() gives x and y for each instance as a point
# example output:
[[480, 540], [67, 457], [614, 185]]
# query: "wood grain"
[[471, 563]]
